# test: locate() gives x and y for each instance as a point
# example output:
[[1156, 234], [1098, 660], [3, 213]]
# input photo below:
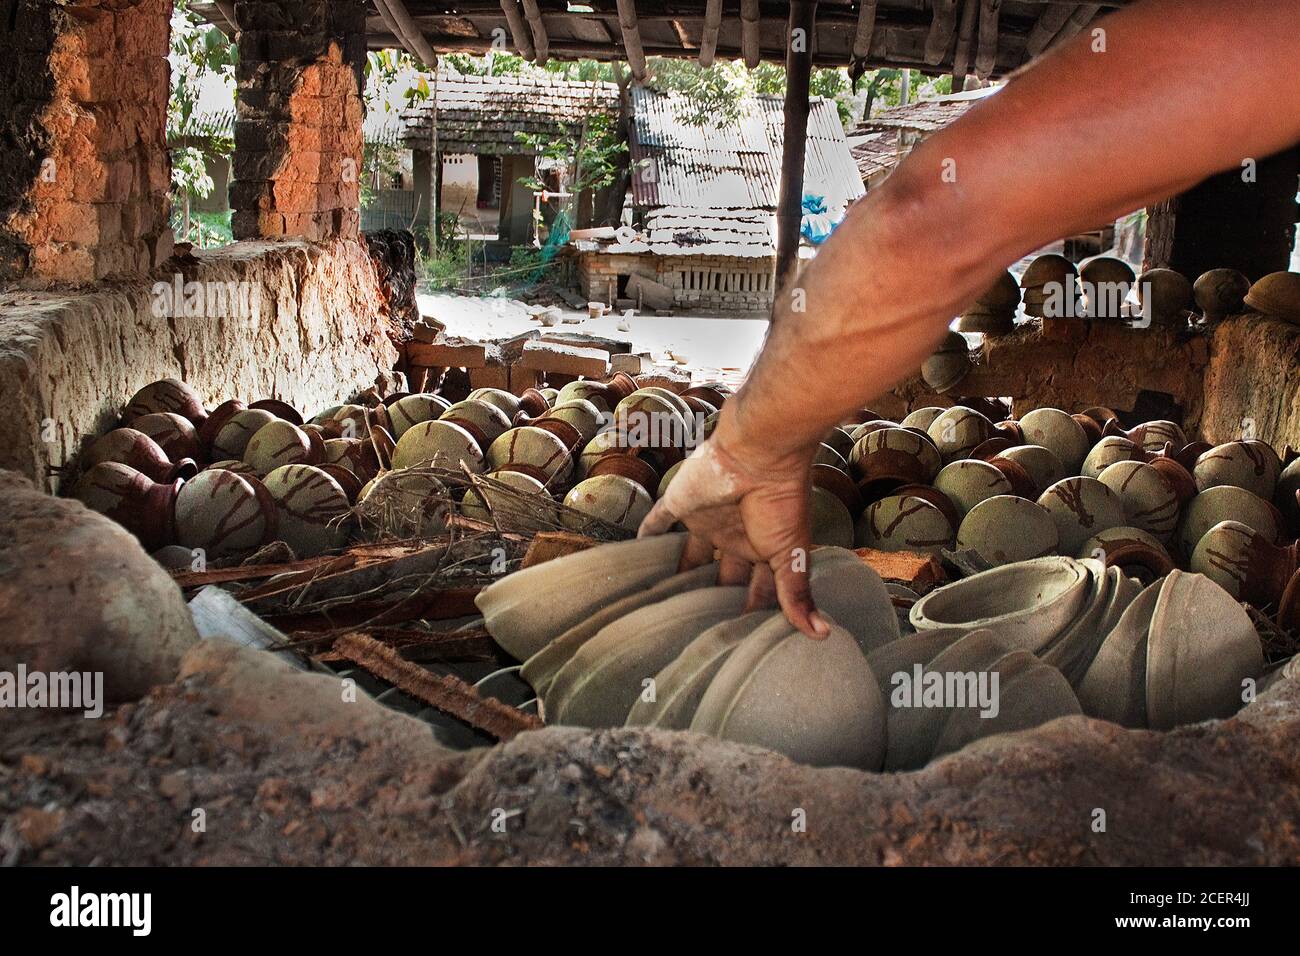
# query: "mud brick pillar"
[[84, 171], [298, 136]]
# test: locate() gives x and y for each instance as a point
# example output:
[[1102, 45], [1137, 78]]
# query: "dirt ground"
[[245, 760]]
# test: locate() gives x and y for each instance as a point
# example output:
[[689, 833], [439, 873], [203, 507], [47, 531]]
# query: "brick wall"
[[298, 138], [84, 171], [721, 283]]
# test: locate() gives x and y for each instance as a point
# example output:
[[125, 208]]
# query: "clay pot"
[[1040, 464], [1090, 428], [230, 440], [1245, 563], [278, 443], [614, 499], [1249, 464], [1114, 687], [992, 448], [886, 458], [1165, 296], [533, 403], [1220, 293], [1006, 528], [1106, 282], [829, 477], [603, 679], [486, 503], [1058, 432], [826, 455], [629, 466], [413, 409], [958, 431], [621, 385], [1277, 295], [1287, 496], [383, 446], [312, 509], [829, 519], [658, 414], [136, 449], [533, 451], [569, 436], [1151, 436], [439, 444], [213, 424], [1137, 553], [1081, 508], [224, 514], [841, 440], [279, 409], [862, 430], [1149, 500], [1100, 414], [600, 395], [529, 607], [1016, 474], [241, 468], [944, 370], [1074, 650], [1109, 450], [484, 422], [1050, 286], [968, 482], [922, 418], [355, 454], [1226, 503], [1179, 478], [165, 395], [1026, 603], [994, 312], [349, 482], [508, 403], [581, 414], [708, 394], [175, 435], [403, 504], [145, 508], [1201, 649], [903, 523]]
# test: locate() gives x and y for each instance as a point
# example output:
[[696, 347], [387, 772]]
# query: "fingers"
[[762, 589], [658, 521], [698, 551], [734, 571], [795, 594]]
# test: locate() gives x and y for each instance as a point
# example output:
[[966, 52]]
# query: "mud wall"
[[289, 320], [1252, 384]]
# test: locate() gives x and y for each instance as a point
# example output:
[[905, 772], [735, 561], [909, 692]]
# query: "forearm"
[[1184, 88]]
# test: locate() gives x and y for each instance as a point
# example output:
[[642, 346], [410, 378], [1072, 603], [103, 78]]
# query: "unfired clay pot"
[[1244, 563], [136, 449], [615, 499], [1058, 432], [278, 443], [145, 508], [1149, 501], [533, 451], [232, 438], [175, 435], [1005, 528], [1226, 503], [897, 523], [1248, 464], [441, 444], [958, 431], [1081, 507], [224, 514], [414, 409], [165, 395], [485, 422]]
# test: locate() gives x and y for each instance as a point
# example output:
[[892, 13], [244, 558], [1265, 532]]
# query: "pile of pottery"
[[616, 636], [1050, 483], [1102, 288], [232, 479]]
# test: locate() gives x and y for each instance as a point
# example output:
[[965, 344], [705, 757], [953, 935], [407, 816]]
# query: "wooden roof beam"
[[709, 38], [523, 40], [627, 24], [961, 61], [1049, 24], [1078, 20], [408, 31], [541, 42]]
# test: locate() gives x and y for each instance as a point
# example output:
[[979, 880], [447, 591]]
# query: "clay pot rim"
[[832, 479], [627, 466], [561, 429], [216, 421], [349, 482], [279, 409], [708, 393], [533, 403]]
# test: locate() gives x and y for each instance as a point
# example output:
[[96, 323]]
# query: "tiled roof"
[[736, 164], [875, 152], [924, 116], [481, 114]]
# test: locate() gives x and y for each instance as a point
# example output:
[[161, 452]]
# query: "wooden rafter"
[[942, 28], [961, 60], [987, 57], [541, 42], [519, 33], [709, 38], [1049, 24], [865, 28], [750, 19], [1081, 17]]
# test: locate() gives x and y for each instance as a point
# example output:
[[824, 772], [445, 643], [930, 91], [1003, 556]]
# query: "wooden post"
[[798, 81]]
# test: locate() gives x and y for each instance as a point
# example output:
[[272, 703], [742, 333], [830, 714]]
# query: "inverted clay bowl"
[[1058, 432], [526, 609], [1220, 293], [950, 363], [1277, 295], [1165, 296], [1114, 687], [1005, 529], [1027, 603], [508, 403], [1201, 650]]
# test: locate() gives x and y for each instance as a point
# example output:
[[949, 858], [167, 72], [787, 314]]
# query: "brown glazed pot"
[[706, 393], [1090, 428], [626, 464], [1179, 478], [533, 403], [128, 446], [1015, 473], [144, 507], [216, 421], [992, 447], [1011, 429], [621, 385], [562, 430], [840, 485], [279, 409]]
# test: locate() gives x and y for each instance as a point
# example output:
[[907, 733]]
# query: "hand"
[[755, 512]]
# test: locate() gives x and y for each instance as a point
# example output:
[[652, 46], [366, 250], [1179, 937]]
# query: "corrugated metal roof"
[[481, 114], [732, 165]]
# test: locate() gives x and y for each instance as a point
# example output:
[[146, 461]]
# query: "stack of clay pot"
[[994, 312], [616, 636], [1050, 287]]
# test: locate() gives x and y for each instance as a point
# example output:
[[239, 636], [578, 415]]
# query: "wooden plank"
[[653, 294], [1044, 31], [942, 28], [961, 60], [565, 359], [462, 354]]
